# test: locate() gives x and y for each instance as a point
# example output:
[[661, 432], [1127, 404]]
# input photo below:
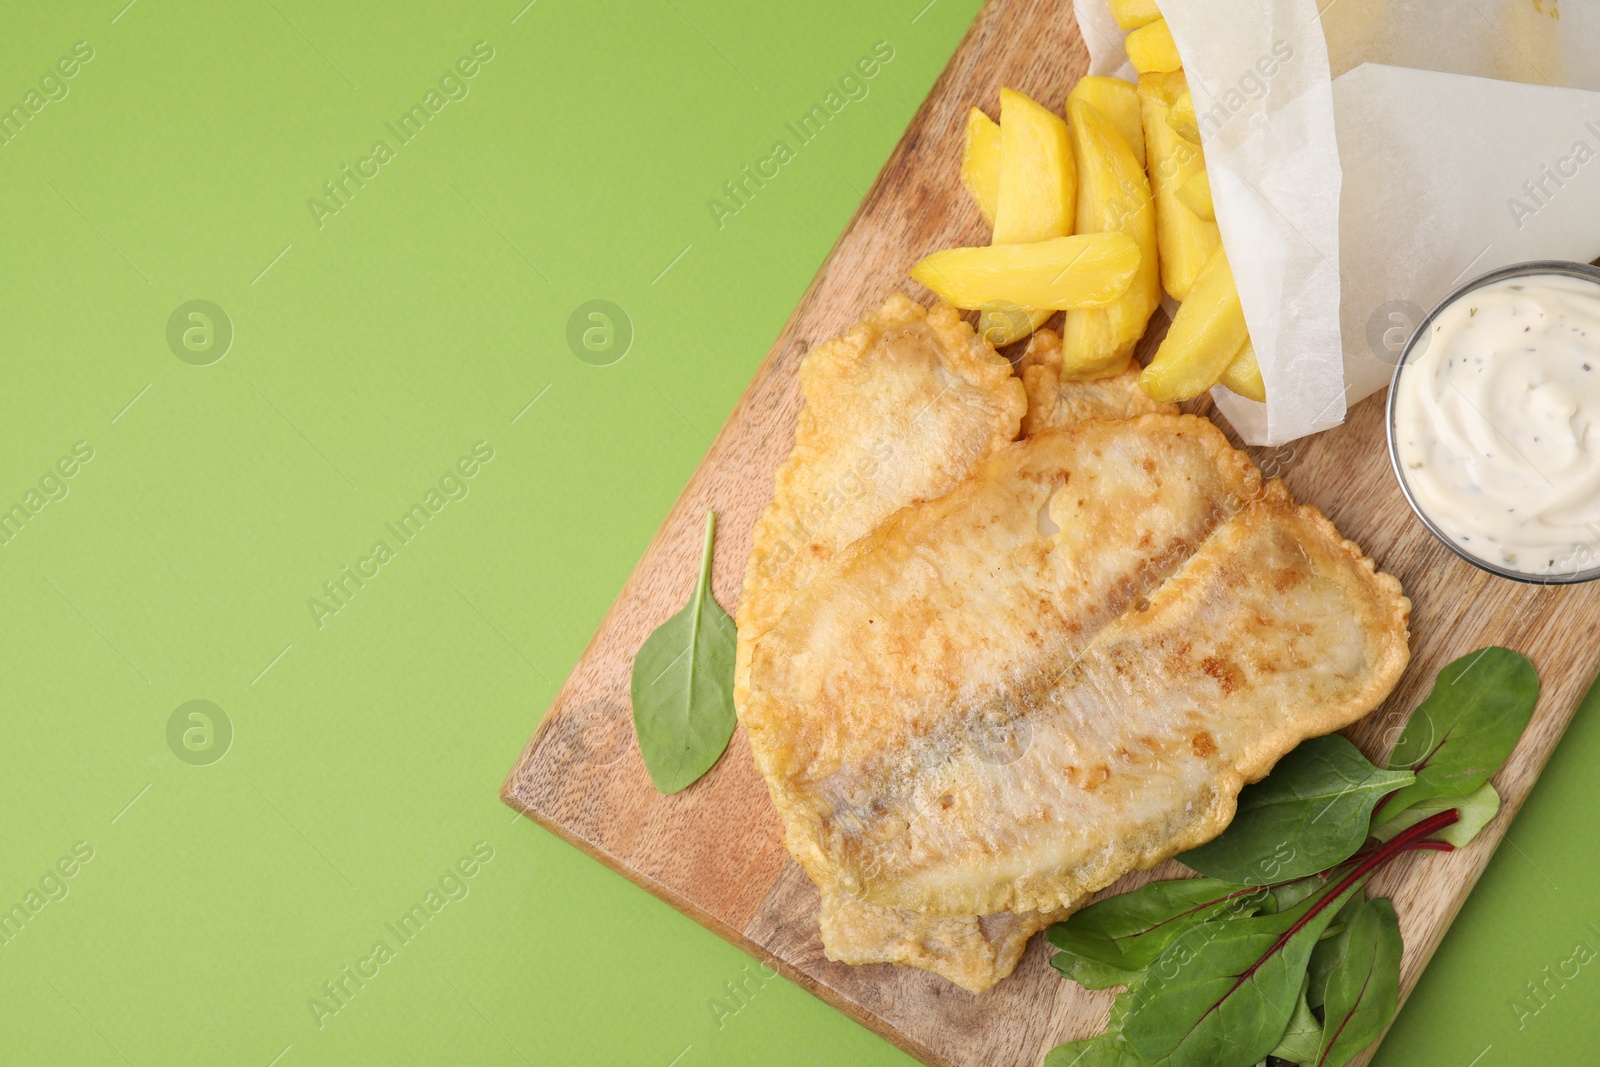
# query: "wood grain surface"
[[715, 852]]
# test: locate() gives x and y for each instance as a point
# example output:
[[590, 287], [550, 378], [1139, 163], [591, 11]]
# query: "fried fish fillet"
[[1145, 625], [973, 951], [1055, 402], [870, 386], [902, 408]]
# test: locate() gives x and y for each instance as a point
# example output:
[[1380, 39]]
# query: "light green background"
[[369, 355]]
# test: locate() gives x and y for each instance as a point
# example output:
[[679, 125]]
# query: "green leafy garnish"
[[1110, 942], [1225, 992], [1300, 1042], [1363, 990], [1479, 806], [1323, 958], [1107, 1050], [1311, 812], [1464, 731], [683, 686], [1289, 894]]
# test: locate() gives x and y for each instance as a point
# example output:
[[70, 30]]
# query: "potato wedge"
[[1169, 88], [1196, 196], [1187, 240], [1084, 271], [1151, 49], [1040, 197], [1181, 117], [1206, 335], [1038, 188], [1113, 197], [1131, 14], [1007, 323], [1118, 101], [1243, 375], [980, 162], [1089, 347]]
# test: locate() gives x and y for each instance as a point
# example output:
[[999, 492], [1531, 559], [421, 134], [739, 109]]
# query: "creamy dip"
[[1497, 424]]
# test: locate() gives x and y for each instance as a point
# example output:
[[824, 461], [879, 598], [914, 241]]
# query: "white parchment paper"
[[1367, 160]]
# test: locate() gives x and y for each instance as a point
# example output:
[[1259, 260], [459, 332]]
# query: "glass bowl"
[[1565, 576]]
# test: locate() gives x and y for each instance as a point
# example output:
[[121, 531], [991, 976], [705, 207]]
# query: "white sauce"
[[1497, 424]]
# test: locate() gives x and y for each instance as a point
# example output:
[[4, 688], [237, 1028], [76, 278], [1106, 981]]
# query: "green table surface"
[[203, 489]]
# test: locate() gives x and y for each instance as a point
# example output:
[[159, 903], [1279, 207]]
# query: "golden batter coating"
[[1055, 403], [973, 951], [1063, 670], [900, 409]]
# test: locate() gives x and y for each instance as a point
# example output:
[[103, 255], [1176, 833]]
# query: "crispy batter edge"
[[1262, 756], [1241, 475], [1043, 383], [976, 966], [968, 356], [801, 832]]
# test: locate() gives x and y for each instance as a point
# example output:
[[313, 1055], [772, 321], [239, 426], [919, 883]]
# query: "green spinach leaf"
[[1340, 921], [1466, 728], [1328, 953], [1311, 812], [1481, 805], [1106, 1050], [1288, 894], [683, 686], [1224, 993], [1109, 943], [1300, 1042], [1363, 990]]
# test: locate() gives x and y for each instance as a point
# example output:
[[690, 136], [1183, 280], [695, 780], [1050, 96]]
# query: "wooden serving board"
[[715, 852]]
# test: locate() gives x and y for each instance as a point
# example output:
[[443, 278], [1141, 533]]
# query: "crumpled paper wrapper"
[[1366, 160]]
